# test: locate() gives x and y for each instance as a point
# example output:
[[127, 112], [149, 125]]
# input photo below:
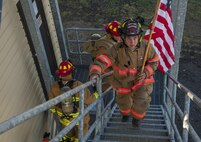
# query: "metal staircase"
[[152, 128], [159, 124]]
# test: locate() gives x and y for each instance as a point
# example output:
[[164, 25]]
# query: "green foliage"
[[98, 12], [95, 13], [194, 12]]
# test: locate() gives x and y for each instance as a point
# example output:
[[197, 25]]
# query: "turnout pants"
[[75, 131], [135, 103]]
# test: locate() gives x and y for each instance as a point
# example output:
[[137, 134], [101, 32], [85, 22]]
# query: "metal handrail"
[[78, 42], [99, 114], [190, 94], [85, 29], [16, 120], [187, 128]]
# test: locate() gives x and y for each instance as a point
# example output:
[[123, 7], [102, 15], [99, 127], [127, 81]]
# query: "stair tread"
[[152, 128], [141, 122], [134, 136], [146, 119], [147, 115], [138, 129], [151, 106], [142, 125]]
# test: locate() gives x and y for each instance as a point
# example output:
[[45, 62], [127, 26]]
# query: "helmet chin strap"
[[123, 38], [113, 38], [139, 41]]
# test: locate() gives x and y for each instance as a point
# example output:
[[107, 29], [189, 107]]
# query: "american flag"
[[163, 36]]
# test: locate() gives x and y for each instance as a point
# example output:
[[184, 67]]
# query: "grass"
[[91, 13]]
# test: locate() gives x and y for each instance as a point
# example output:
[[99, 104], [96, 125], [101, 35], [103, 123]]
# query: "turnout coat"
[[126, 64]]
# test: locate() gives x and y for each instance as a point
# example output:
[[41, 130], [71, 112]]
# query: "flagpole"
[[150, 35]]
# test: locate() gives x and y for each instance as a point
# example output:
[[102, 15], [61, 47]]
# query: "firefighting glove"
[[140, 77], [95, 76]]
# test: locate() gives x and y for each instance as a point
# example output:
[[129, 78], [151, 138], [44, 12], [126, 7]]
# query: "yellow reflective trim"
[[123, 24], [72, 139], [115, 29], [69, 66], [64, 138], [74, 115], [76, 99], [65, 121], [56, 111], [96, 95], [75, 139], [110, 27], [65, 68]]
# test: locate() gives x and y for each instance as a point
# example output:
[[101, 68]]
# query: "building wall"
[[20, 88]]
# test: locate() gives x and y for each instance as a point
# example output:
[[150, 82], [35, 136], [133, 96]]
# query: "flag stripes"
[[163, 37]]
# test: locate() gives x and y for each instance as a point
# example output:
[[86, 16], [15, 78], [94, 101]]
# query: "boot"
[[135, 123], [125, 118]]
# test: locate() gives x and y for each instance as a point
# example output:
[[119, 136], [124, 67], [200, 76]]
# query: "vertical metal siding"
[[20, 87]]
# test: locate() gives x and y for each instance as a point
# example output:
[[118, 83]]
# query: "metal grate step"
[[148, 112], [130, 131], [148, 116], [146, 120], [152, 129], [129, 125], [132, 138]]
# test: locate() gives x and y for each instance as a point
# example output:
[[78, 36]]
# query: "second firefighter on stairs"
[[68, 109]]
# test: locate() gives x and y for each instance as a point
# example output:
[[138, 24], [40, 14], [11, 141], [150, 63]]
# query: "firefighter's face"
[[131, 41]]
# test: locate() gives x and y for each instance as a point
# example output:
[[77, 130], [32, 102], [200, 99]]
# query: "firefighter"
[[133, 88], [98, 45], [68, 109]]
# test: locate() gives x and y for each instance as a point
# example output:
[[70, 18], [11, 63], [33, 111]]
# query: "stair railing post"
[[165, 98], [99, 107], [173, 109], [164, 91], [186, 119], [78, 45], [81, 104]]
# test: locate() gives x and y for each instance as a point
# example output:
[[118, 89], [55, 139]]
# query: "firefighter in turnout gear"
[[133, 88], [68, 109], [98, 45]]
